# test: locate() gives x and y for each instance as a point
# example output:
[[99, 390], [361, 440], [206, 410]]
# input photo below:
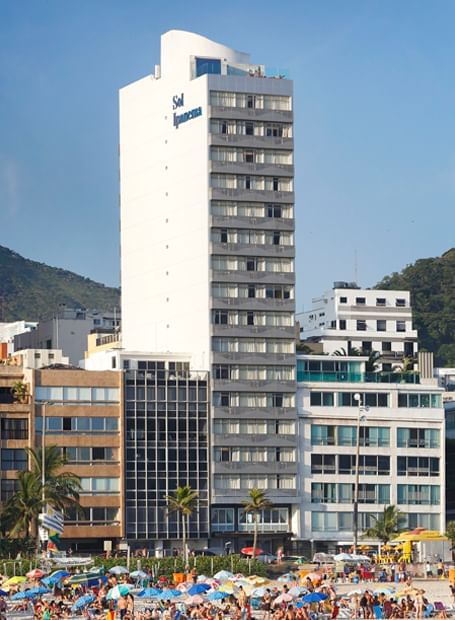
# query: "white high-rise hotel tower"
[[207, 255]]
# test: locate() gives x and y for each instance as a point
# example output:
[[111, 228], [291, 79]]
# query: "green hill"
[[432, 285], [32, 291]]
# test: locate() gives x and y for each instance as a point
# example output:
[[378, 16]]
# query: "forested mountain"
[[432, 285], [31, 291]]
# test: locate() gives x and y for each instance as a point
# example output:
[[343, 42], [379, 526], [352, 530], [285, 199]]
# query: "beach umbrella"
[[139, 574], [15, 580], [314, 597], [19, 596], [283, 598], [3, 593], [118, 591], [228, 587], [202, 578], [223, 575], [342, 557], [149, 592], [356, 591], [198, 588], [255, 580], [167, 595], [38, 591], [119, 570], [259, 592], [249, 551], [82, 601], [196, 599], [216, 595], [55, 577]]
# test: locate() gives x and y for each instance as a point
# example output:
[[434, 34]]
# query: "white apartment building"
[[9, 330], [207, 258], [394, 416], [350, 317]]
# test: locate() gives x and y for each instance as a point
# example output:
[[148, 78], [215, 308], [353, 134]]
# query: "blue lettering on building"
[[177, 102], [186, 116]]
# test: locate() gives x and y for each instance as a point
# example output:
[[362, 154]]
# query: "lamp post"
[[358, 398], [43, 458]]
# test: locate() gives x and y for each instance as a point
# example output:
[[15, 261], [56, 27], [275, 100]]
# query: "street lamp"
[[358, 399], [43, 456]]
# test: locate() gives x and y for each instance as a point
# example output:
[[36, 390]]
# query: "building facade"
[[81, 413], [207, 251], [349, 317], [402, 452], [16, 422]]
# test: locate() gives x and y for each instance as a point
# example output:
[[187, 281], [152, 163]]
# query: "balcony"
[[273, 116], [251, 168], [253, 249], [251, 195], [254, 223], [252, 277], [353, 377], [248, 141], [252, 303]]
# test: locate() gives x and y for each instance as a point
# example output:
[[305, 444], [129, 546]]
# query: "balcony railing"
[[355, 377]]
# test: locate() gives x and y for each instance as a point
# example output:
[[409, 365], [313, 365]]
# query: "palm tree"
[[21, 511], [61, 489], [184, 502], [386, 525], [256, 503]]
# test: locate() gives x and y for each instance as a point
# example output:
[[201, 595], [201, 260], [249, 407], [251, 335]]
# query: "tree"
[[20, 513], [450, 533], [386, 525], [61, 489], [256, 503], [183, 502]]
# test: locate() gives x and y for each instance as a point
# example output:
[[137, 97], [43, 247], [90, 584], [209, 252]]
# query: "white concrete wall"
[[165, 205]]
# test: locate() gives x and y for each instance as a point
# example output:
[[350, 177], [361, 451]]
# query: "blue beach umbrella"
[[19, 596], [315, 597], [167, 595], [139, 574], [149, 592], [3, 593], [198, 588], [216, 595], [82, 601]]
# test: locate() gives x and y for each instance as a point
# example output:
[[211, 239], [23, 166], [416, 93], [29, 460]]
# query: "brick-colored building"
[[83, 417]]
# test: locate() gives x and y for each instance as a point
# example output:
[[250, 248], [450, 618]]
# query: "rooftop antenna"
[[356, 275]]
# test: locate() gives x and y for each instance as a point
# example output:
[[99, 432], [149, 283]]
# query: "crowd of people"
[[298, 597]]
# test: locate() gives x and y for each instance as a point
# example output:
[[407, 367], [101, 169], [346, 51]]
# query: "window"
[[92, 396], [223, 520], [323, 464], [401, 326], [370, 399], [13, 458], [322, 399], [414, 400], [79, 424], [249, 129], [381, 301], [322, 435], [417, 466], [103, 486], [381, 325], [360, 301], [323, 493], [14, 428], [418, 494], [400, 303], [343, 300], [323, 521], [418, 438], [342, 324], [8, 488], [361, 325], [386, 346], [369, 465]]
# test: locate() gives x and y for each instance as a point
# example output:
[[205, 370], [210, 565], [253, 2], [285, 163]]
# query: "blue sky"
[[374, 114]]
